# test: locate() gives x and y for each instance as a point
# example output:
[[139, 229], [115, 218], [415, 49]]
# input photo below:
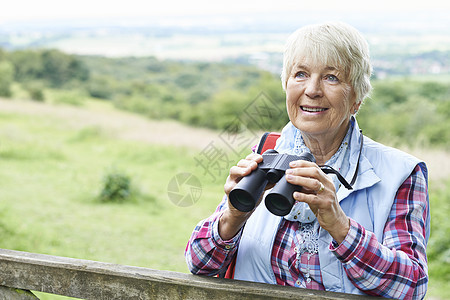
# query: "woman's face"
[[319, 101]]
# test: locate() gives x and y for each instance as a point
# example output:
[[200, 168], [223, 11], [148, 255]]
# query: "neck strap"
[[329, 170]]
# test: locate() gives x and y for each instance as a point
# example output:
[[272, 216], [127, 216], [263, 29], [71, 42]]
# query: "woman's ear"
[[355, 108]]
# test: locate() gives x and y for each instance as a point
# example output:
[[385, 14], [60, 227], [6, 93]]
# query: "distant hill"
[[413, 43]]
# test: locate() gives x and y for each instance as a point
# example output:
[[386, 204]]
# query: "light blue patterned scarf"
[[300, 211]]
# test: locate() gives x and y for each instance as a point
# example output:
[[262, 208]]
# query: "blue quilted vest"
[[381, 172]]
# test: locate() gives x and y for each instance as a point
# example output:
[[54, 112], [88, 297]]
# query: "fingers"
[[301, 164], [329, 213], [312, 199], [250, 160], [243, 168], [310, 178]]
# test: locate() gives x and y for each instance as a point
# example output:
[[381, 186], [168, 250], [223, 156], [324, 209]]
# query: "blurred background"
[[110, 110]]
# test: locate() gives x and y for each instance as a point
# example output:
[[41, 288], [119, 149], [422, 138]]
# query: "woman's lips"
[[312, 109]]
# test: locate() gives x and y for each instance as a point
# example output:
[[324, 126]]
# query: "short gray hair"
[[335, 44]]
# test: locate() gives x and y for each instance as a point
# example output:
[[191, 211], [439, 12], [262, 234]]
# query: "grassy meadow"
[[51, 176], [53, 159]]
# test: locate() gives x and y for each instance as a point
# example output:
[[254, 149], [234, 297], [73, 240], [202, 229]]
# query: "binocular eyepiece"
[[279, 200]]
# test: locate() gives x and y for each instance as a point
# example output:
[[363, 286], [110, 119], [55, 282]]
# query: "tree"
[[27, 65], [59, 68], [6, 78]]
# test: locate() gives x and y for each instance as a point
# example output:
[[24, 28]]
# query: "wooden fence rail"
[[21, 272]]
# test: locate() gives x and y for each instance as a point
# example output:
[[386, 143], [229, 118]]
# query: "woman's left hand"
[[319, 193]]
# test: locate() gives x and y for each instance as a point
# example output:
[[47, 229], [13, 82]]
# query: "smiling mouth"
[[312, 109]]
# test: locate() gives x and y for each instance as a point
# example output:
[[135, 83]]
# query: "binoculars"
[[279, 201]]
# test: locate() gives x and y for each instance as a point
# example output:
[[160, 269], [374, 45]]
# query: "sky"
[[22, 10]]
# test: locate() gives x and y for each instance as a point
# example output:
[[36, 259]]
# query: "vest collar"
[[366, 176]]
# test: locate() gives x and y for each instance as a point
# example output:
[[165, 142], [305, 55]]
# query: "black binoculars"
[[279, 200]]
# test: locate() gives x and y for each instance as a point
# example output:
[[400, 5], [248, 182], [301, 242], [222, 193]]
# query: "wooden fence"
[[22, 272]]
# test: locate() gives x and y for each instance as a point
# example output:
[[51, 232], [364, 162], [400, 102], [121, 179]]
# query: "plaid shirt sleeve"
[[206, 253], [397, 268]]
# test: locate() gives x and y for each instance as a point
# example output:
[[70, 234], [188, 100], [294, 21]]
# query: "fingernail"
[[289, 171], [289, 177]]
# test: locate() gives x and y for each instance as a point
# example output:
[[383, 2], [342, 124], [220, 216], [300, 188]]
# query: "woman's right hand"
[[243, 168], [232, 219]]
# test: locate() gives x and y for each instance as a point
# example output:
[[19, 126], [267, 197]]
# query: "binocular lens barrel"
[[274, 175], [246, 193], [280, 200]]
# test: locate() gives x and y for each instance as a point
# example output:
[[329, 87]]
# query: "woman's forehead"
[[308, 62]]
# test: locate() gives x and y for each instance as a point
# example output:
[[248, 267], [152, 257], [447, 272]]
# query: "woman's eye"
[[331, 78], [300, 74]]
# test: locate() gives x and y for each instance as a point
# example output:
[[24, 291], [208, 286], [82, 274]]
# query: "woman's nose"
[[314, 88]]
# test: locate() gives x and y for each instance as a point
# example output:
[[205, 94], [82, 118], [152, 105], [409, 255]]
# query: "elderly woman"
[[370, 239]]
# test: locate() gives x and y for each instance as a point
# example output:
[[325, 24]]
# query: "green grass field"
[[51, 175], [51, 172]]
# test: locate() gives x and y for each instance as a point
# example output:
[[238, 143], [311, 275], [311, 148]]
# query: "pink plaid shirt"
[[394, 268]]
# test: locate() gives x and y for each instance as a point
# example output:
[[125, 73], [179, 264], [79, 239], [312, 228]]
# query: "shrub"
[[101, 87], [72, 97], [36, 91], [116, 187]]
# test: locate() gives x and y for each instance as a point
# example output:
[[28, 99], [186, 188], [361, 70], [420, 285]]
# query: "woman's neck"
[[324, 146]]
